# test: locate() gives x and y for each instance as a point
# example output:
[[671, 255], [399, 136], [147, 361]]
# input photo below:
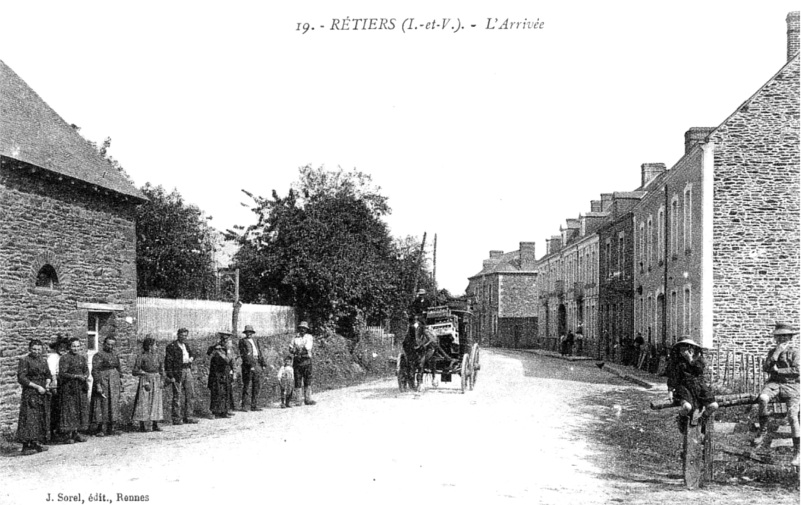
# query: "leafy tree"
[[174, 247], [323, 248]]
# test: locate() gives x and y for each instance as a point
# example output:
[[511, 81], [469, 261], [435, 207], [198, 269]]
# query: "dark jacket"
[[246, 353], [174, 359]]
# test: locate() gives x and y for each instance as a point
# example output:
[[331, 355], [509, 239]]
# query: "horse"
[[421, 349]]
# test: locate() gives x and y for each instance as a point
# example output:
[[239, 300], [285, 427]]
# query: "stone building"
[[67, 237], [504, 295], [718, 240]]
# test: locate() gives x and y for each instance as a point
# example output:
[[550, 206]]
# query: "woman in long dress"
[[73, 389], [148, 404], [219, 381], [33, 428]]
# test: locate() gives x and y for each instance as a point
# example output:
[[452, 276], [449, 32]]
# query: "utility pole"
[[419, 263], [435, 265], [237, 304]]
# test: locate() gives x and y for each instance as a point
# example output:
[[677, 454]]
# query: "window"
[[686, 326], [621, 238], [97, 320], [47, 277], [660, 243], [642, 247], [688, 218], [649, 242], [674, 225], [608, 258], [674, 317]]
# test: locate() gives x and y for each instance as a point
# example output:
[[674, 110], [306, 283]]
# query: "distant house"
[[67, 237], [504, 299]]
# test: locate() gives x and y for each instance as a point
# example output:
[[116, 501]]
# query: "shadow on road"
[[543, 367]]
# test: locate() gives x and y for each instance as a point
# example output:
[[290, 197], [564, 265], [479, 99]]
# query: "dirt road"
[[521, 435]]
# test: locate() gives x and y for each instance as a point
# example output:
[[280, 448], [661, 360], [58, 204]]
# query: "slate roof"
[[32, 132], [508, 263]]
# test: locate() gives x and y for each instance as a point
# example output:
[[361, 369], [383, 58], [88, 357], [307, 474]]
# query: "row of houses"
[[707, 249]]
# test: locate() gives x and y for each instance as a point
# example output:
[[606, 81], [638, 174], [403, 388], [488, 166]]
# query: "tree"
[[324, 249], [174, 247]]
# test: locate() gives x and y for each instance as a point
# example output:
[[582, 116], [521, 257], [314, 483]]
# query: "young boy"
[[286, 379], [686, 385]]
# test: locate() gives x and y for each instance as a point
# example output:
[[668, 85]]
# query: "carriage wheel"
[[465, 373], [475, 364]]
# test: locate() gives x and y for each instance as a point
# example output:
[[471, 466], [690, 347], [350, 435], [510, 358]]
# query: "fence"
[[379, 333], [162, 317], [737, 371]]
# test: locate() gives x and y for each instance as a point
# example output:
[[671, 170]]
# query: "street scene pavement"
[[525, 433]]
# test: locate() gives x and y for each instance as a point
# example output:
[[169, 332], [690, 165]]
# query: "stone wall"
[[88, 238], [756, 232], [517, 332], [519, 295]]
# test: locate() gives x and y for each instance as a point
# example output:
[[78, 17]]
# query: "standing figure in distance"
[[73, 386], [107, 386], [302, 362], [219, 380], [252, 365], [781, 365], [178, 368], [286, 380], [149, 400], [58, 348], [33, 428]]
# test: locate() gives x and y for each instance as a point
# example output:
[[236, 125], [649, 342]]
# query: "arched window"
[[47, 277]]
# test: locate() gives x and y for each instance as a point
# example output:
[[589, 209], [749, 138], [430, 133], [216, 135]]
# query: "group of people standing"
[[57, 403]]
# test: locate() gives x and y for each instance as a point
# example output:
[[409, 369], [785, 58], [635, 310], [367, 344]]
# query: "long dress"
[[34, 409], [73, 371], [52, 363], [106, 372], [219, 382], [148, 403]]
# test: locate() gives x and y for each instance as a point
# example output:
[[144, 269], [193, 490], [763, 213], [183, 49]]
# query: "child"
[[286, 379], [686, 385]]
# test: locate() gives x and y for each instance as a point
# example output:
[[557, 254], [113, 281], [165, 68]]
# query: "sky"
[[483, 136]]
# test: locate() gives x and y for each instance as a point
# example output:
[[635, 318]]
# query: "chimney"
[[695, 136], [496, 255], [595, 206], [555, 243], [651, 171], [527, 257], [792, 35], [606, 200]]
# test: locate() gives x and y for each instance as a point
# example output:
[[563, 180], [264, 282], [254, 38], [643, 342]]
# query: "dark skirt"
[[74, 405], [220, 392], [34, 417]]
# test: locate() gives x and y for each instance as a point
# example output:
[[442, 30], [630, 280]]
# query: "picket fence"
[[738, 371], [161, 318]]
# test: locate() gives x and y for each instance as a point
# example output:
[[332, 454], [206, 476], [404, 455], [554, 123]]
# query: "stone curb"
[[614, 370]]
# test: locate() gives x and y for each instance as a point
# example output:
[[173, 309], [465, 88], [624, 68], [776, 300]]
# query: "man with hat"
[[781, 365], [252, 365], [301, 350], [420, 305], [178, 369]]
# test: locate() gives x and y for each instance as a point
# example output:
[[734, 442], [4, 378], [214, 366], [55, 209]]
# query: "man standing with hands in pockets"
[[252, 365], [178, 368]]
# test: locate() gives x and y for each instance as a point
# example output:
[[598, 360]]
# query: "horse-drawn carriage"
[[438, 346]]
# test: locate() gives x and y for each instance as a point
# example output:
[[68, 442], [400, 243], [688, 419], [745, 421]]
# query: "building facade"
[[67, 237], [503, 298]]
